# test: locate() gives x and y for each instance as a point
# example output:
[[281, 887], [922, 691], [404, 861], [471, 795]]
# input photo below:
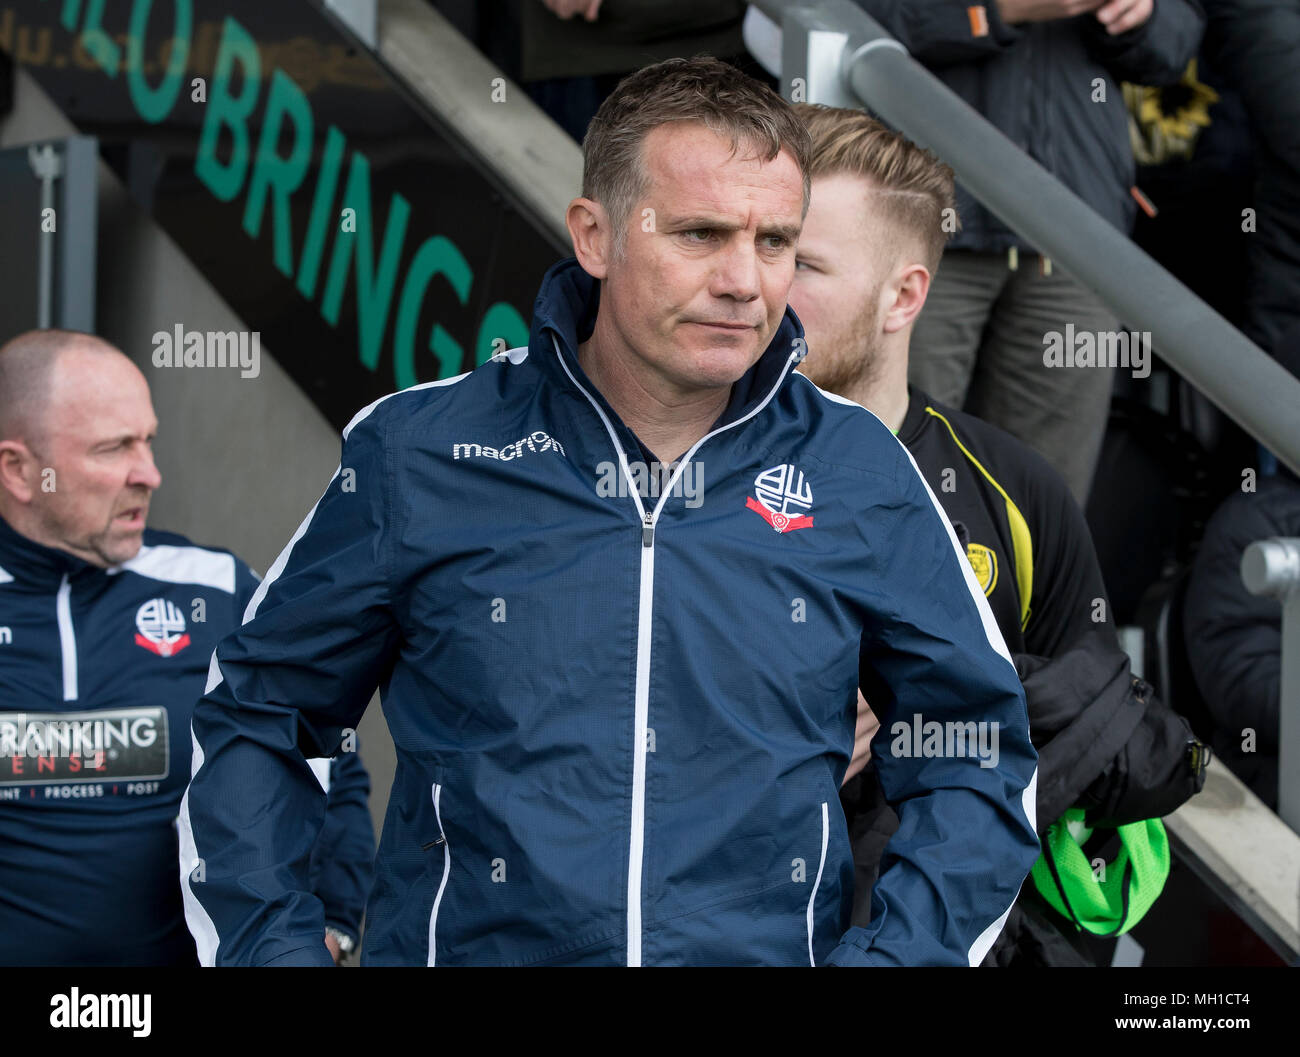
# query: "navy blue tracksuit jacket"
[[621, 721], [99, 672]]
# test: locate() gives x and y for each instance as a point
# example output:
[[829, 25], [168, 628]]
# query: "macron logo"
[[102, 1011], [534, 442]]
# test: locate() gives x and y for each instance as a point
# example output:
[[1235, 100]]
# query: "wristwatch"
[[346, 943]]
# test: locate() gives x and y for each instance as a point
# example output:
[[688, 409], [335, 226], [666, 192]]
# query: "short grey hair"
[[707, 91]]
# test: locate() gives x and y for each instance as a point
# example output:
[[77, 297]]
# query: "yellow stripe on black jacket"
[[1024, 534]]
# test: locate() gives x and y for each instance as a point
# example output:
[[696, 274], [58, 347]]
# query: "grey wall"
[[242, 460]]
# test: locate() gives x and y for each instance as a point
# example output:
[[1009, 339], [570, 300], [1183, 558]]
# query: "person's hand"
[[1119, 16], [1046, 10], [568, 8], [866, 729], [333, 945]]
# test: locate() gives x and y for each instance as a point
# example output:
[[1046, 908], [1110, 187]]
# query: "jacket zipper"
[[821, 865], [645, 608], [446, 871], [67, 639]]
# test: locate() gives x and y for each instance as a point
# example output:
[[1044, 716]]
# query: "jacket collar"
[[36, 565], [564, 316], [916, 418]]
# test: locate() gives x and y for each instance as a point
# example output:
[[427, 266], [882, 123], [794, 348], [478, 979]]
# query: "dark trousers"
[[979, 342]]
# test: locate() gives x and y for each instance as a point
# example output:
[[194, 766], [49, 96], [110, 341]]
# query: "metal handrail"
[[1271, 567]]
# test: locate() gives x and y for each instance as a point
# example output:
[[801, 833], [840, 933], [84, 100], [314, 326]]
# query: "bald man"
[[106, 630]]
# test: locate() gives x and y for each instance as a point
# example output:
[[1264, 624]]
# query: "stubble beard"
[[110, 545], [850, 362]]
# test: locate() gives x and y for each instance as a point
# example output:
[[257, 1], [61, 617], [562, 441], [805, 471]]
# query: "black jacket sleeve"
[[1105, 741], [1161, 766], [940, 32], [1069, 597], [1156, 52]]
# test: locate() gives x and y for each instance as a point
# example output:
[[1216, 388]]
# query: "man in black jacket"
[[1047, 73], [1234, 638], [870, 242]]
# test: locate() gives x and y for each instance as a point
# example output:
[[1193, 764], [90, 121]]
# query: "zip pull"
[[648, 530], [1144, 203], [433, 843]]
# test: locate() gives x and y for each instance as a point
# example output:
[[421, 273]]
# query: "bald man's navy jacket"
[[99, 672]]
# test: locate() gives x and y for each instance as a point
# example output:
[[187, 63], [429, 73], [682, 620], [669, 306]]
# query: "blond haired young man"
[[881, 212]]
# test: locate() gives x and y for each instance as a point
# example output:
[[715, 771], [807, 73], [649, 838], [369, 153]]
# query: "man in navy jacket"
[[106, 632], [619, 589]]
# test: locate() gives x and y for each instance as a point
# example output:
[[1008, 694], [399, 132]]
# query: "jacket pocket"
[[440, 842], [817, 883]]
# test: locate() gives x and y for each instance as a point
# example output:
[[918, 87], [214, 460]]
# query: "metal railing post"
[[813, 39], [1272, 567], [47, 165]]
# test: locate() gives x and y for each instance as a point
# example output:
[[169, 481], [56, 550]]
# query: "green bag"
[[1132, 883]]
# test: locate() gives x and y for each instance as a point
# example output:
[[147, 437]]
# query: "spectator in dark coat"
[[1234, 638], [1046, 73], [574, 52], [1254, 44]]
